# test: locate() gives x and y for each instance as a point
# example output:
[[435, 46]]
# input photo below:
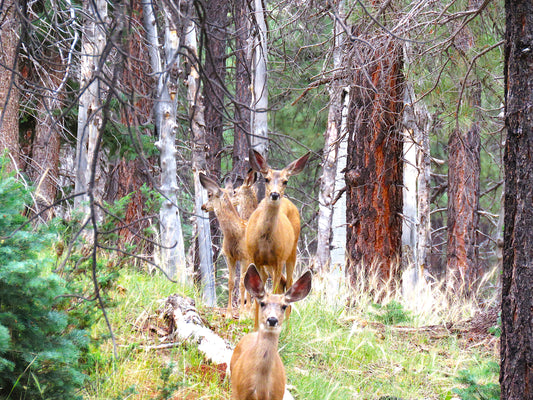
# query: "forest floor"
[[330, 351]]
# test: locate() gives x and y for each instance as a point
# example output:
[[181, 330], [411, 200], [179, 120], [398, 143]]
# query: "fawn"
[[257, 372], [271, 237], [233, 228]]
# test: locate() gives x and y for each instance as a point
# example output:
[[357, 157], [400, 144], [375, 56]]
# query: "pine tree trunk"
[[259, 106], [374, 165], [243, 94], [130, 172], [9, 94], [516, 372], [44, 164], [463, 204], [216, 22]]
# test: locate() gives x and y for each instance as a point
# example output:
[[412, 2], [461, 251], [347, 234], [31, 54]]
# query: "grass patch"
[[329, 352]]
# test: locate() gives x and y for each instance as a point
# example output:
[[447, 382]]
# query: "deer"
[[244, 197], [257, 372], [274, 227], [233, 229]]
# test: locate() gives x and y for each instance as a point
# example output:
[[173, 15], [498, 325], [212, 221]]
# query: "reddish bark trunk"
[[463, 203], [374, 164], [129, 172]]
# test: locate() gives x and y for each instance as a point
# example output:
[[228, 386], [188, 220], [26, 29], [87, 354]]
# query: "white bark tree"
[[165, 112], [199, 162], [416, 233], [89, 112], [338, 223], [259, 106], [329, 161]]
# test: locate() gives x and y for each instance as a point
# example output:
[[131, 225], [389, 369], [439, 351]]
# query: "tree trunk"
[[338, 220], [130, 172], [199, 164], [416, 230], [516, 372], [243, 94], [216, 22], [9, 94], [89, 113], [44, 163], [329, 158], [259, 106], [463, 203], [165, 113], [374, 166]]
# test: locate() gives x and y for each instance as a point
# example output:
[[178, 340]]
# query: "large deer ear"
[[253, 282], [208, 183], [300, 289], [298, 165], [257, 161]]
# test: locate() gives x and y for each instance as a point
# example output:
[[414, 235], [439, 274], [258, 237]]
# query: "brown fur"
[[257, 372]]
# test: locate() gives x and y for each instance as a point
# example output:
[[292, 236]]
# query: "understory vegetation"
[[330, 351], [366, 343]]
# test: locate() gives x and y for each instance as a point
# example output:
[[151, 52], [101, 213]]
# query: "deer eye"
[[262, 304], [284, 307], [285, 183], [267, 180]]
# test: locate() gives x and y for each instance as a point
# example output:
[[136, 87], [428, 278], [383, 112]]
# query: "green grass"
[[329, 352]]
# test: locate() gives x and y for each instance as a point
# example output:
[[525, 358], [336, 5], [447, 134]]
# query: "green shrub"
[[40, 347], [392, 313], [475, 388]]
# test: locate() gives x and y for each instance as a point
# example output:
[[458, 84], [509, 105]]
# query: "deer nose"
[[272, 321], [274, 196], [204, 208]]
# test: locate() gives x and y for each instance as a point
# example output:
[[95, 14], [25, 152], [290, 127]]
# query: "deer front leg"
[[231, 284]]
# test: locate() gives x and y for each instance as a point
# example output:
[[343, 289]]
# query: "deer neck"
[[229, 220], [267, 348], [270, 212]]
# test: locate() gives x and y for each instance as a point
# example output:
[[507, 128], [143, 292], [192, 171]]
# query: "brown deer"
[[244, 197], [233, 229], [274, 227], [257, 372]]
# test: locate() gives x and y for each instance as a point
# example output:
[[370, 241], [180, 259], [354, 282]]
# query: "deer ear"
[[228, 184], [253, 282], [251, 178], [257, 161], [208, 183], [298, 165], [300, 289]]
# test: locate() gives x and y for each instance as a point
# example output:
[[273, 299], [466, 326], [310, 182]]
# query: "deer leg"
[[231, 284]]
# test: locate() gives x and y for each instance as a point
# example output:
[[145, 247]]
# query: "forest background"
[[110, 110]]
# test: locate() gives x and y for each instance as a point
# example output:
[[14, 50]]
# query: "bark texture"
[[516, 372], [216, 21], [463, 203], [243, 95], [9, 94], [374, 165]]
